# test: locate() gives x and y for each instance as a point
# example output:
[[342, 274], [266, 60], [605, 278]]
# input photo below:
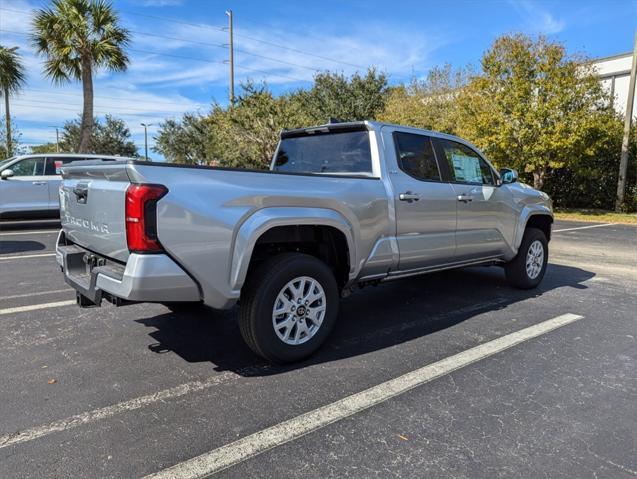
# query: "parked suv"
[[29, 183]]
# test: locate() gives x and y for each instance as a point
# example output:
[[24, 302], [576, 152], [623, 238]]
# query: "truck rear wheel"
[[288, 307], [527, 269]]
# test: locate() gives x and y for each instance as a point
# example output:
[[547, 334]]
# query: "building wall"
[[614, 73]]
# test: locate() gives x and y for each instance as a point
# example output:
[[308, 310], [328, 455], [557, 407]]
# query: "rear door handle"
[[408, 196], [39, 182], [465, 198]]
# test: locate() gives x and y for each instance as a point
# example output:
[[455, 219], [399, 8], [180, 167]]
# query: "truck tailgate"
[[92, 207]]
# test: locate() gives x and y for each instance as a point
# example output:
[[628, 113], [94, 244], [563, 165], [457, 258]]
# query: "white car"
[[29, 183]]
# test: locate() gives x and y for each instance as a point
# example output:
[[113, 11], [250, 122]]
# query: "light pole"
[[623, 160], [231, 45], [146, 125]]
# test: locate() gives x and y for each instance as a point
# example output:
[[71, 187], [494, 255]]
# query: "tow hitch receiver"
[[84, 302]]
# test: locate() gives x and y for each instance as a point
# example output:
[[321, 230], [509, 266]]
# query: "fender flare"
[[265, 219], [525, 215]]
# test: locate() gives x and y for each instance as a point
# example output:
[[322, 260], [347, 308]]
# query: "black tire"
[[516, 269], [258, 298]]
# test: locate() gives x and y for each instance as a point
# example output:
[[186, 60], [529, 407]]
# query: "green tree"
[[244, 136], [188, 141], [333, 95], [428, 103], [77, 37], [12, 79], [16, 149], [44, 148], [109, 138], [249, 132], [532, 107]]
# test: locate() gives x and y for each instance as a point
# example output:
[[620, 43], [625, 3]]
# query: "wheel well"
[[541, 222], [323, 242]]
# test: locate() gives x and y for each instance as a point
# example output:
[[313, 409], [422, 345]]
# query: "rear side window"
[[334, 152], [29, 167], [465, 164], [54, 164], [416, 156]]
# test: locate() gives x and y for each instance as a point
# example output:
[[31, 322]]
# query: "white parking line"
[[35, 307], [584, 227], [38, 293], [103, 413], [38, 232], [250, 446], [259, 442], [25, 256]]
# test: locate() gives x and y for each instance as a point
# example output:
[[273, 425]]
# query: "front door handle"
[[39, 183], [408, 196], [465, 198]]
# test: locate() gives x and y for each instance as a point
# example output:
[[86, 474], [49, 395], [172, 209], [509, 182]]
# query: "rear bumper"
[[144, 278]]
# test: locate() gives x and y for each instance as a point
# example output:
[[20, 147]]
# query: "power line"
[[225, 47], [223, 29], [277, 45], [207, 61], [217, 45], [97, 97], [146, 34], [219, 62], [99, 111], [298, 51], [117, 108]]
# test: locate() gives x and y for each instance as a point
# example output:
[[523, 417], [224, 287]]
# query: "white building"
[[614, 73]]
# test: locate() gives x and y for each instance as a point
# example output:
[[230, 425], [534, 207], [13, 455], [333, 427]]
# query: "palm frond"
[[73, 31], [12, 72]]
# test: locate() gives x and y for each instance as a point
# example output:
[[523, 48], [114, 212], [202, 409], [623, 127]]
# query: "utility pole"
[[146, 125], [231, 46], [623, 162], [57, 138]]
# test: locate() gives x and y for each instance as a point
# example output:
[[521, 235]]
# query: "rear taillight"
[[141, 217]]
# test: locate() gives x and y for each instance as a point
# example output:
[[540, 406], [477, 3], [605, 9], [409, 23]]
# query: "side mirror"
[[6, 174], [507, 175]]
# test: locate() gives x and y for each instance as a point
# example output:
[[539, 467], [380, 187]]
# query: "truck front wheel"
[[288, 307], [527, 269]]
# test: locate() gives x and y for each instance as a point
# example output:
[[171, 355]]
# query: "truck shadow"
[[20, 246], [370, 320]]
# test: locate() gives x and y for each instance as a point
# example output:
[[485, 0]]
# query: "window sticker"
[[466, 168]]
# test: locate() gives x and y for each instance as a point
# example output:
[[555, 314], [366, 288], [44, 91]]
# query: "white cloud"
[[149, 90], [537, 19], [162, 3]]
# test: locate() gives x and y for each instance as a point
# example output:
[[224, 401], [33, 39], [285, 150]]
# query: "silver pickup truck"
[[344, 205]]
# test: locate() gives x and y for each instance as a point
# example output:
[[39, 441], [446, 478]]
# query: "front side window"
[[28, 167], [6, 162], [416, 156], [465, 164], [333, 152]]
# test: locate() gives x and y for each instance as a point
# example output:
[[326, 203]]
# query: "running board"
[[405, 274]]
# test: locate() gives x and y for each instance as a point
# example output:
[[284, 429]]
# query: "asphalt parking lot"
[[447, 375]]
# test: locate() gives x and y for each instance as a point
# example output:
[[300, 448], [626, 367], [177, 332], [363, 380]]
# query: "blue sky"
[[178, 49]]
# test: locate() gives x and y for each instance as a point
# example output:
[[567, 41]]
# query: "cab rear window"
[[334, 152]]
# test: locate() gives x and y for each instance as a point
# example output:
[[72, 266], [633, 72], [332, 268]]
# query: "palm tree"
[[12, 79], [77, 37]]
